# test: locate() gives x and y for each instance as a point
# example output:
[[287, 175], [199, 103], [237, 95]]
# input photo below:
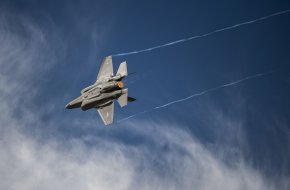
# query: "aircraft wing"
[[106, 69], [107, 113]]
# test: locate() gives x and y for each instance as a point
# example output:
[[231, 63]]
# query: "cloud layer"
[[173, 160]]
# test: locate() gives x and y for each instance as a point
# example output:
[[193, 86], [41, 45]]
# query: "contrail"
[[203, 35], [200, 94]]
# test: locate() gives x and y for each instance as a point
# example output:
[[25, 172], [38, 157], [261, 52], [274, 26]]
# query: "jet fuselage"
[[97, 95]]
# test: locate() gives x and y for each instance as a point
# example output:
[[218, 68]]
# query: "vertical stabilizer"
[[123, 99], [122, 71]]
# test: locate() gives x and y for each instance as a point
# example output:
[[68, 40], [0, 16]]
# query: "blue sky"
[[232, 138]]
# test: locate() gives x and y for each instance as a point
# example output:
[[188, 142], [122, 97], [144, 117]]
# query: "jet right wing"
[[107, 113], [106, 69]]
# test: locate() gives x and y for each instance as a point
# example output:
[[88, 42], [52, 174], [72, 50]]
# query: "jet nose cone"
[[74, 104], [68, 106]]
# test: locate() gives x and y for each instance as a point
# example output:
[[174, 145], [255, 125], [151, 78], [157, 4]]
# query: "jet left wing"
[[106, 69], [107, 113]]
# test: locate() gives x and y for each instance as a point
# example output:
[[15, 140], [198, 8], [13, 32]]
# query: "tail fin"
[[123, 99], [122, 69], [130, 99]]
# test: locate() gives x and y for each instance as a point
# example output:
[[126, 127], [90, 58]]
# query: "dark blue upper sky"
[[83, 32]]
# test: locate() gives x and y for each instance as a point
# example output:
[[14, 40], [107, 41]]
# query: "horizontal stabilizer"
[[123, 99]]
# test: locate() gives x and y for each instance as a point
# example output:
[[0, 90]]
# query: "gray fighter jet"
[[104, 91]]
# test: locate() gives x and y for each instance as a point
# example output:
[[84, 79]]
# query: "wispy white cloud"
[[173, 160]]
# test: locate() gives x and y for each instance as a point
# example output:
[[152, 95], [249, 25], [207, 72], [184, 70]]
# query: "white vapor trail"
[[199, 94], [203, 35]]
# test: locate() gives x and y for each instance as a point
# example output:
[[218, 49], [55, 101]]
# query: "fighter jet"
[[104, 91]]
